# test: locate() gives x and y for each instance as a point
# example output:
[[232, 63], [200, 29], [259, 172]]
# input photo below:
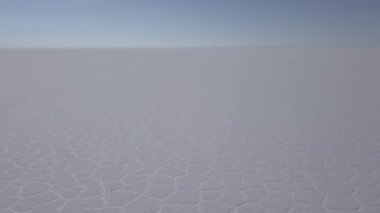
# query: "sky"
[[189, 23]]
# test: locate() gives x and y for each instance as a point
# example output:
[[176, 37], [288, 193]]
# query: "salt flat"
[[190, 130]]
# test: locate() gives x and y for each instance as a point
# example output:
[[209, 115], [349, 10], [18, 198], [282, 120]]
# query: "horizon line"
[[184, 47]]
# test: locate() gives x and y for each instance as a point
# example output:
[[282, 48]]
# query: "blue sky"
[[189, 23]]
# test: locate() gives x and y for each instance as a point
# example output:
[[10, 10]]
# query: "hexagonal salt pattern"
[[190, 131]]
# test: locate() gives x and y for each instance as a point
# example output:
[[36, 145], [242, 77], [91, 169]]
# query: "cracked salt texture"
[[234, 130]]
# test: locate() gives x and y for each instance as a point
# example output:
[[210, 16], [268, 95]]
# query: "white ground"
[[190, 131]]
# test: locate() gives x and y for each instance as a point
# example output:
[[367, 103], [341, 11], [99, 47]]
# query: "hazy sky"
[[189, 23]]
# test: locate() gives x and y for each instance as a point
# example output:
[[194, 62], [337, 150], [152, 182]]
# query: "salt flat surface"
[[190, 131]]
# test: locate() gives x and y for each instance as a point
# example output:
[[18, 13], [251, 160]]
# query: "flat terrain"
[[190, 131]]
